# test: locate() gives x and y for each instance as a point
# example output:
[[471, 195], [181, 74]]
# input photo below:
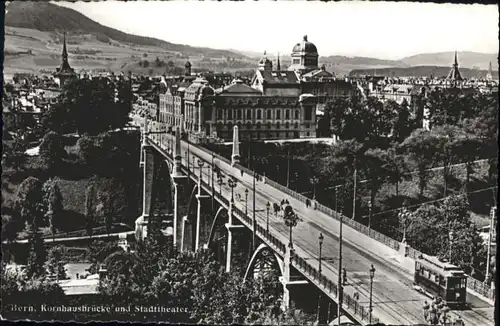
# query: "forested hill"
[[48, 17]]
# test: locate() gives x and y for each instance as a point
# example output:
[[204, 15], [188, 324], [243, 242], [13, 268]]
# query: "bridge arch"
[[221, 214], [263, 258]]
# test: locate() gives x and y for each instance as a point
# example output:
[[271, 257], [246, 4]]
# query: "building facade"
[[277, 104]]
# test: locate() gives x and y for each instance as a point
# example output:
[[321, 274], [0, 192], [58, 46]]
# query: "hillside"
[[48, 17], [421, 71], [473, 60]]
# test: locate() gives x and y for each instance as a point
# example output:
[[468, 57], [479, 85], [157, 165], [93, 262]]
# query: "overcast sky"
[[374, 29]]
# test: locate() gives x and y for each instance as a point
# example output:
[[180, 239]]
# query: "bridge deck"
[[394, 301]]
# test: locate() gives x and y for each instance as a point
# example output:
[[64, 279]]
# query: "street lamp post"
[[232, 183], [372, 275], [320, 238], [291, 220], [200, 165], [403, 215], [246, 202], [220, 182], [254, 218], [268, 205], [370, 214]]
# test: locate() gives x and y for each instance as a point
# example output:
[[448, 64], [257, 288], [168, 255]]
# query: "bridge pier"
[[230, 229], [200, 198], [147, 189], [178, 177]]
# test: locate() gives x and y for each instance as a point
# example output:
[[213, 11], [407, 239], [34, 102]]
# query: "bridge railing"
[[328, 286]]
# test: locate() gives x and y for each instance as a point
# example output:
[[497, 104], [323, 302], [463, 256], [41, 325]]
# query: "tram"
[[441, 279]]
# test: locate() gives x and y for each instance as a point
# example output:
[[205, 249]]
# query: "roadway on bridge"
[[394, 300]]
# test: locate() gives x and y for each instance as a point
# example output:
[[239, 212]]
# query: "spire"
[[454, 73], [65, 67], [278, 66]]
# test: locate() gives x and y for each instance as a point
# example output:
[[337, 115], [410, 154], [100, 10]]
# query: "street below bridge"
[[394, 300]]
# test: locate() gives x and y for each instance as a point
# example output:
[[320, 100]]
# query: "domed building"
[[304, 57], [278, 104]]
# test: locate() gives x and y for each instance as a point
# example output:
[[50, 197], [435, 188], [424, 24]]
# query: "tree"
[[396, 168], [375, 163], [29, 201], [53, 203], [444, 148], [345, 160], [55, 263], [467, 148], [37, 255], [402, 125], [421, 146], [52, 151], [90, 208], [429, 227]]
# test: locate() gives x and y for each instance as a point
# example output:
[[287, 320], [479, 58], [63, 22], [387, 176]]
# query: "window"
[[296, 125], [287, 114], [249, 126], [229, 126], [269, 114], [219, 114], [239, 114], [297, 114], [278, 114], [268, 125], [249, 114], [296, 61], [277, 125], [287, 125], [259, 114], [230, 114], [258, 125], [307, 126]]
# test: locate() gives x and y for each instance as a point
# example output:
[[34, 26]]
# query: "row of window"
[[259, 125], [239, 114]]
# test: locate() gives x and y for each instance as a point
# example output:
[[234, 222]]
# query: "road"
[[394, 300], [99, 236]]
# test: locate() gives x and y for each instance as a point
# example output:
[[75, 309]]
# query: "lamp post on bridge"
[[232, 184], [369, 214], [320, 238], [372, 275], [291, 220], [200, 165], [246, 201], [220, 181], [268, 205]]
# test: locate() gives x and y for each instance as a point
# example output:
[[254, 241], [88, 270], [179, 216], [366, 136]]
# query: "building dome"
[[305, 46]]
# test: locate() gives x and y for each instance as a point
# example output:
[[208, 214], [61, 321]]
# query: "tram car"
[[441, 279]]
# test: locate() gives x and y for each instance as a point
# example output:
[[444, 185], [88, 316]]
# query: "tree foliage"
[[429, 227], [29, 201], [53, 203], [52, 151], [55, 262], [90, 106]]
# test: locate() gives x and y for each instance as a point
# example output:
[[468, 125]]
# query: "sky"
[[369, 29]]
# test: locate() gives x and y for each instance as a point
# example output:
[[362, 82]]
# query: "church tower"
[[265, 64], [64, 73], [454, 74], [489, 75], [187, 66]]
